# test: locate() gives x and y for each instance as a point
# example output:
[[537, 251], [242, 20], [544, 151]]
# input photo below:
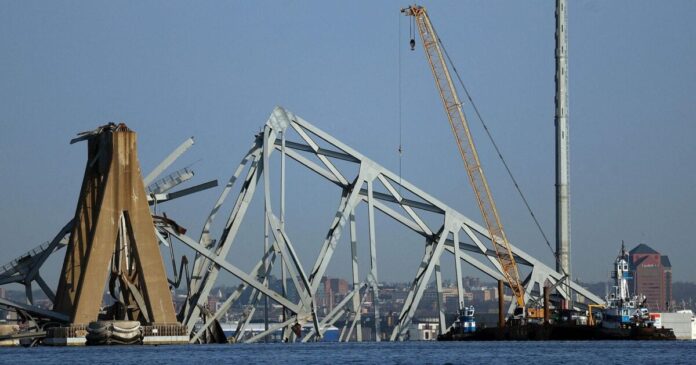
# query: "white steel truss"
[[381, 190]]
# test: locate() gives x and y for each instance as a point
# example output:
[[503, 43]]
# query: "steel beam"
[[356, 279], [220, 262], [168, 161], [31, 309]]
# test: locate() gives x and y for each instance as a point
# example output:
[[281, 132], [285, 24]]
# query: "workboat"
[[625, 316], [464, 326], [467, 322], [621, 310]]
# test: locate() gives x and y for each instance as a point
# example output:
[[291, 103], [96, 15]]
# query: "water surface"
[[596, 352]]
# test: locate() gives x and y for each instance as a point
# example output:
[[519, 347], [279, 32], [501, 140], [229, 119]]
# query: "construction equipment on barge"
[[533, 323], [624, 318]]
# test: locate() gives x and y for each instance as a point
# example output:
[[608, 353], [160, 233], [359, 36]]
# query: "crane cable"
[[500, 155], [401, 150], [412, 42]]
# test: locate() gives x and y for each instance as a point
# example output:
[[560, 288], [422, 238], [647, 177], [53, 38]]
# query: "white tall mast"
[[562, 166]]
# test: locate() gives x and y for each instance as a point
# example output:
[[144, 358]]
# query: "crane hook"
[[413, 44]]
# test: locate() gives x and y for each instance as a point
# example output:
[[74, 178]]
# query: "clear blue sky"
[[215, 70]]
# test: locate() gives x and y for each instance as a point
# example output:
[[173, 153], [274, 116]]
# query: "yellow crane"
[[467, 149]]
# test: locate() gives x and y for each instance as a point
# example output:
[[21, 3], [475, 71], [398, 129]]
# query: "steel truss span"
[[454, 237], [360, 181]]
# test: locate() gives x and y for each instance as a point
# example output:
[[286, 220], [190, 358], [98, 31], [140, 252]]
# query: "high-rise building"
[[652, 277], [667, 266], [334, 290]]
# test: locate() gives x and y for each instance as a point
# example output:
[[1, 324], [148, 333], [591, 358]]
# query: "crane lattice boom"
[[467, 149]]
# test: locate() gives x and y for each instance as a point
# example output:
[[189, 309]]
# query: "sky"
[[215, 70]]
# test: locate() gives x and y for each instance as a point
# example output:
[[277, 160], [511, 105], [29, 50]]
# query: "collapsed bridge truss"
[[446, 233], [453, 235]]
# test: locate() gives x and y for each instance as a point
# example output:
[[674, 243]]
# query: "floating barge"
[[560, 332], [623, 318]]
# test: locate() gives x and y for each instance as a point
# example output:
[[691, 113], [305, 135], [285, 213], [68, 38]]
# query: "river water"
[[596, 352]]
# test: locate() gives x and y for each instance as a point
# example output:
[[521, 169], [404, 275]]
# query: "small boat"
[[464, 326]]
